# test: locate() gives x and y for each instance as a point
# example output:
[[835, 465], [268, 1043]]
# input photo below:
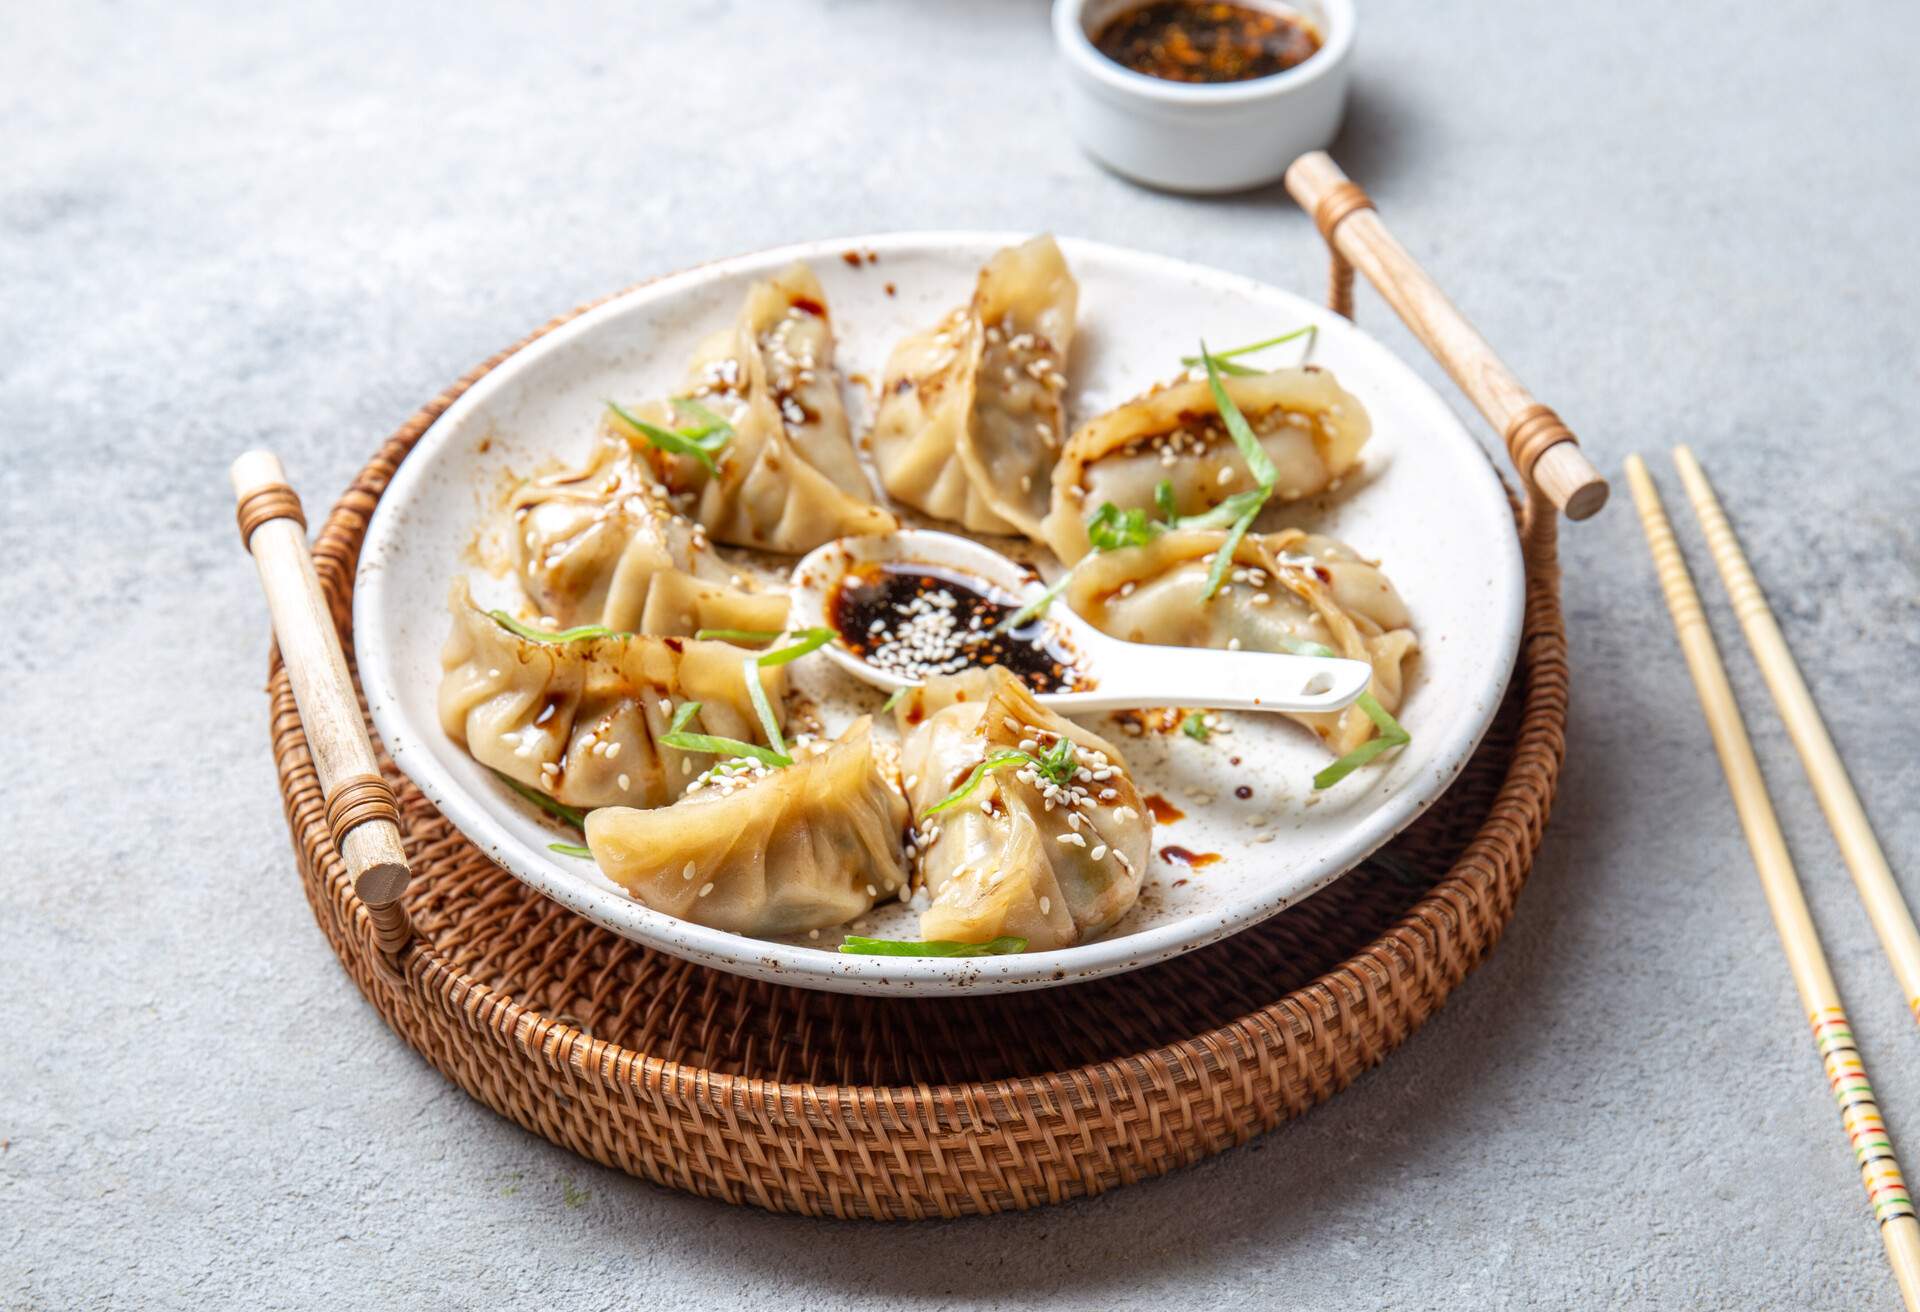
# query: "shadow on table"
[[1338, 1177]]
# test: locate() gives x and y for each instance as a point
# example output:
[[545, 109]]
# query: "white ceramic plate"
[[1427, 505]]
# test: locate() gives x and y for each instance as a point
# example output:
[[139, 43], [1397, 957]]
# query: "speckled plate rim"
[[807, 967]]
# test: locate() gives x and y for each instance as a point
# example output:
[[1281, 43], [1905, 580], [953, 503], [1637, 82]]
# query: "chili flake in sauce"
[[1192, 41]]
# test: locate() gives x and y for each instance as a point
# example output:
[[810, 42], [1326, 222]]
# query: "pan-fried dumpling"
[[1307, 424], [788, 479], [759, 850], [581, 721], [970, 418], [601, 545], [1051, 850], [1286, 585]]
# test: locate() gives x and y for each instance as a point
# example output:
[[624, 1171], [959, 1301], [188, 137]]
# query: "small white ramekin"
[[1202, 137]]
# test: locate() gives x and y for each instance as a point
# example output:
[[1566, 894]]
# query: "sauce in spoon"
[[916, 620]]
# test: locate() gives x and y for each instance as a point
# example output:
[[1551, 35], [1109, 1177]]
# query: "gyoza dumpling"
[[580, 721], [1287, 585], [1051, 852], [1307, 424], [602, 545], [970, 419], [759, 850], [788, 479]]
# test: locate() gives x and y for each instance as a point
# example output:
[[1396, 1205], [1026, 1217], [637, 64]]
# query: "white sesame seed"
[[613, 750], [1071, 839], [705, 889], [626, 784], [1226, 476], [1046, 905], [1099, 851]]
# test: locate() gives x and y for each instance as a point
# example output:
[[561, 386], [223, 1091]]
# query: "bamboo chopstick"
[[1846, 1075], [1892, 920]]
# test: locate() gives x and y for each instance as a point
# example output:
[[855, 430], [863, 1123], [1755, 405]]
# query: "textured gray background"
[[219, 229]]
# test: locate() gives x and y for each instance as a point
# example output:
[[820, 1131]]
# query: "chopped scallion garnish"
[[893, 700], [703, 442], [979, 772], [572, 849], [739, 635], [1237, 427], [581, 634], [811, 640], [1224, 357], [1034, 609], [757, 694], [679, 739], [552, 806], [933, 947], [1392, 734], [1111, 528], [1195, 726]]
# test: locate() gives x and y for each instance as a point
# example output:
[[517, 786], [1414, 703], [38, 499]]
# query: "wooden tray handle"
[[1543, 449], [361, 810]]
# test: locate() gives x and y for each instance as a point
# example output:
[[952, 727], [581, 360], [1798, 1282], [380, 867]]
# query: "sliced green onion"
[[1195, 726], [1034, 609], [1059, 762], [1391, 736], [726, 748], [1223, 558], [1163, 498], [739, 635], [571, 849], [750, 671], [1307, 647], [1222, 357], [1111, 528], [932, 947], [893, 699], [552, 806], [1392, 732], [531, 634], [1237, 427], [810, 640], [710, 423], [679, 739], [979, 772], [702, 444], [1223, 515]]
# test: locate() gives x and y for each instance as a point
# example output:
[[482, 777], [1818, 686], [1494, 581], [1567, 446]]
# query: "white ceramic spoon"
[[1122, 675]]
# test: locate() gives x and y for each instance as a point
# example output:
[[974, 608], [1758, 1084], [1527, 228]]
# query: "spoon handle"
[[1220, 681]]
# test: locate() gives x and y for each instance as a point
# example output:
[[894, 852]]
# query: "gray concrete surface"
[[220, 227]]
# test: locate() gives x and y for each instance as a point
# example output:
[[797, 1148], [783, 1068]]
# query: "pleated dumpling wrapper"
[[782, 474], [1284, 588], [1049, 842], [1309, 426], [601, 545], [762, 850], [970, 419], [580, 721]]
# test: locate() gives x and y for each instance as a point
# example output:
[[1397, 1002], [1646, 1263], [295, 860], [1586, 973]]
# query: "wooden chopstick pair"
[[1859, 1114]]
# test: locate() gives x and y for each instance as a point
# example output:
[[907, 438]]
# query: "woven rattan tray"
[[852, 1106]]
